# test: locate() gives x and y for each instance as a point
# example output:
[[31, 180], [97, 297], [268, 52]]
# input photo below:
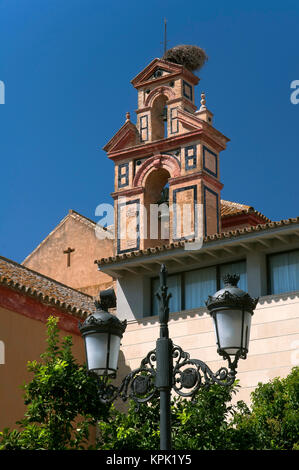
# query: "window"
[[283, 272], [234, 268], [199, 285], [191, 289], [174, 288]]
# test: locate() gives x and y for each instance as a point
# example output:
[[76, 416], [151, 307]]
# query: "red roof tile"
[[45, 289], [229, 208], [180, 244]]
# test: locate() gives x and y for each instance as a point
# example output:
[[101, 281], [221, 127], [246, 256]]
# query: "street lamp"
[[102, 333], [167, 367], [231, 309]]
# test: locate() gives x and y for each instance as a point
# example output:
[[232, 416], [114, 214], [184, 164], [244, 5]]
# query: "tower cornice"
[[207, 133], [200, 175]]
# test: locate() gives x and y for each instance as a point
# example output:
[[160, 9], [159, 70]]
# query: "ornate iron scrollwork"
[[188, 380], [138, 385], [188, 376]]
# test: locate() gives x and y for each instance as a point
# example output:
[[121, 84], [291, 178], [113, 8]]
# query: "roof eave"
[[259, 236]]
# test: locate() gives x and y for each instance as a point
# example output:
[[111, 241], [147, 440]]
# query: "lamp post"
[[168, 367]]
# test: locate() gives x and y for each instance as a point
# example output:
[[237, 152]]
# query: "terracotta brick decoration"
[[172, 145]]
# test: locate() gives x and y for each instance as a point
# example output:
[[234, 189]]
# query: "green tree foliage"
[[62, 403], [212, 422], [273, 421], [61, 399], [201, 425]]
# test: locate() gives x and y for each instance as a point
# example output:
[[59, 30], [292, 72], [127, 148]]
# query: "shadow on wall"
[[123, 370], [175, 316]]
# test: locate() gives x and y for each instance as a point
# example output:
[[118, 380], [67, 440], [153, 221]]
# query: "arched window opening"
[[159, 118], [156, 198]]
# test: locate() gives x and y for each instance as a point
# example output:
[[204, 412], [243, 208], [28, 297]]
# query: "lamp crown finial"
[[231, 279]]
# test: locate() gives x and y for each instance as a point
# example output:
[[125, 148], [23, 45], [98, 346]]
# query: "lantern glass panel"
[[96, 351], [114, 352], [102, 353], [230, 328]]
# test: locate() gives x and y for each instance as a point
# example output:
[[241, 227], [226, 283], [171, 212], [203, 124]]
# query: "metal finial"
[[165, 35], [163, 275], [165, 41], [128, 116]]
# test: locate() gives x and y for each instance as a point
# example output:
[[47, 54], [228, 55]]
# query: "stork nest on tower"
[[191, 57]]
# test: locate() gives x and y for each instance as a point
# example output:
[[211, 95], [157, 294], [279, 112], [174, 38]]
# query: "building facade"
[[267, 259], [168, 209], [27, 299], [67, 254], [171, 160]]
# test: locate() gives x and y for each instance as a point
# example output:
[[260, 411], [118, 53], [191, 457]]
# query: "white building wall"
[[273, 349], [274, 339]]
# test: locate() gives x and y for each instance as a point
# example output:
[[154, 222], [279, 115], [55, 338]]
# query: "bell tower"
[[167, 181]]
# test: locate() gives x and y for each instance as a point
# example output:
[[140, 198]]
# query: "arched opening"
[[168, 162], [159, 118], [156, 203]]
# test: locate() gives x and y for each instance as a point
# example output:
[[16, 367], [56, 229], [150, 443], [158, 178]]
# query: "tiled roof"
[[229, 208], [44, 289], [217, 236]]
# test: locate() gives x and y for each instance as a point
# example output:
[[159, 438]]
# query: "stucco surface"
[[274, 340]]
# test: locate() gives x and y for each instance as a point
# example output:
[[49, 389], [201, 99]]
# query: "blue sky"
[[67, 66]]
